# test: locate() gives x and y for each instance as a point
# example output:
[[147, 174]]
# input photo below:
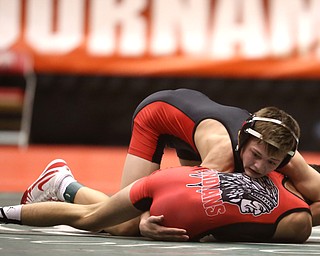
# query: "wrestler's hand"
[[150, 226]]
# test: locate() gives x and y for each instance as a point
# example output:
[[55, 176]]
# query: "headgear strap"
[[272, 120]]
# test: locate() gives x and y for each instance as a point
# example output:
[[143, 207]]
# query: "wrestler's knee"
[[302, 226]]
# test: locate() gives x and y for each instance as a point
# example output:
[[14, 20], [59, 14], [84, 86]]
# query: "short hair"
[[284, 135]]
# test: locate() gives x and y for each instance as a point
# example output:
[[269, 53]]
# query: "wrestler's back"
[[215, 126], [191, 198]]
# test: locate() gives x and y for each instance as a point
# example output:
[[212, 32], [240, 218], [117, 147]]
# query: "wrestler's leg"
[[295, 227], [86, 195], [135, 168], [92, 217], [57, 183], [315, 210]]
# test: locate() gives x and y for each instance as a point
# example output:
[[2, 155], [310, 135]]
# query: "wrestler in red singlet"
[[170, 118], [230, 206]]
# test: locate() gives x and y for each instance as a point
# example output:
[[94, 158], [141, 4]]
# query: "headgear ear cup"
[[248, 125]]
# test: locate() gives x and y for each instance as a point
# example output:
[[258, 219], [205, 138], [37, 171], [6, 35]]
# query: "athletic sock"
[[63, 186], [11, 214], [71, 191]]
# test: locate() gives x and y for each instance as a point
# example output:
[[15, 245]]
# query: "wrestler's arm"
[[304, 177]]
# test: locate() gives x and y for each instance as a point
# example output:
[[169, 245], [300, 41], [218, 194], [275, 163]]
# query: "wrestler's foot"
[[46, 187], [10, 214]]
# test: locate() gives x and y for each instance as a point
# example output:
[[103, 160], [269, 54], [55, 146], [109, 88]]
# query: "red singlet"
[[230, 206]]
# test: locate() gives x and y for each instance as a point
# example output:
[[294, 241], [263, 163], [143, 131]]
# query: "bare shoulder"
[[210, 129], [210, 124]]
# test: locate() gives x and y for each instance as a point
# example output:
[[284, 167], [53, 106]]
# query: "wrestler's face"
[[256, 161]]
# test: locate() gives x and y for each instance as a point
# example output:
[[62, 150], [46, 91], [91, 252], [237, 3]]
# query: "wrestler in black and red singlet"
[[170, 117], [230, 206]]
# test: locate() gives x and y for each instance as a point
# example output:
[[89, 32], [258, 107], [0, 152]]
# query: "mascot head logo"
[[255, 196]]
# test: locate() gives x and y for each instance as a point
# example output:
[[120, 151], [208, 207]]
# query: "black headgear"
[[248, 129]]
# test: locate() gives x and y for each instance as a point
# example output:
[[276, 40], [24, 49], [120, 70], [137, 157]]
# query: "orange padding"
[[96, 167]]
